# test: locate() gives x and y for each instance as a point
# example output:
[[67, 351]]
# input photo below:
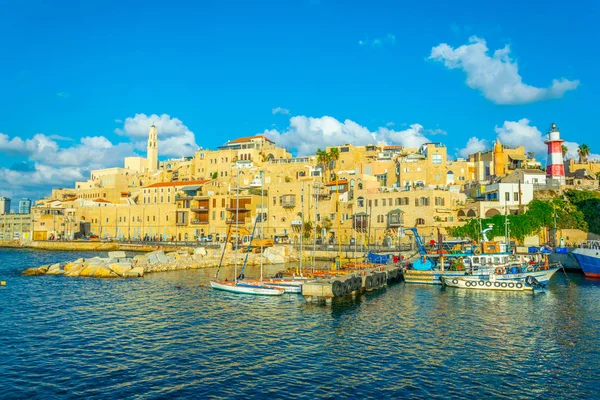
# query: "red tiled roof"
[[338, 182], [249, 138], [171, 184], [392, 147]]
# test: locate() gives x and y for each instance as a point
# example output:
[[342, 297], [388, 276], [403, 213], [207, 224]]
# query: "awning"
[[396, 211], [191, 188], [518, 158]]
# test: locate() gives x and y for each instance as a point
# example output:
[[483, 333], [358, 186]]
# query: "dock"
[[351, 284]]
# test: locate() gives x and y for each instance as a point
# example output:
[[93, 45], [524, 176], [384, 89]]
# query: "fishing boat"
[[488, 284], [588, 257], [479, 262]]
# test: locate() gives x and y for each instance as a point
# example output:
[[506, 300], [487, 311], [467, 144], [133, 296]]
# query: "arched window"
[[471, 213], [361, 201], [420, 221], [360, 186]]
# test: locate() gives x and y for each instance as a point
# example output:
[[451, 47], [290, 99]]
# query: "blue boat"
[[588, 257]]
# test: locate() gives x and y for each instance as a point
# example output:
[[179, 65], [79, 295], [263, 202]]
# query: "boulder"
[[74, 269], [104, 272], [157, 255], [172, 257], [72, 265], [55, 270], [134, 273], [32, 272], [120, 268], [201, 251], [87, 270], [95, 261], [43, 269], [116, 254]]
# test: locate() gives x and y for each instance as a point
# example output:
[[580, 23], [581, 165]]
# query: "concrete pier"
[[353, 283]]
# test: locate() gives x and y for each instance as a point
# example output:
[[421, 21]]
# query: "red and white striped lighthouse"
[[555, 167]]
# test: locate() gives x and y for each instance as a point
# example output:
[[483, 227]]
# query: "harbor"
[[136, 329]]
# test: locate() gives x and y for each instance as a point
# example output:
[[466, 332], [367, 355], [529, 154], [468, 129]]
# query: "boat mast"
[[262, 220], [237, 228], [301, 229]]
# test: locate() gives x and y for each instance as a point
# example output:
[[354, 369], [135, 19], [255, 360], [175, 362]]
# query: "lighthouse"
[[555, 168]]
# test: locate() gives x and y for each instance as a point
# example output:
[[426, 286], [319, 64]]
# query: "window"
[[344, 149], [507, 196], [360, 186], [332, 216], [383, 202], [361, 201], [214, 203], [436, 159], [222, 215], [376, 202], [214, 215], [274, 200], [516, 196], [405, 169], [420, 221]]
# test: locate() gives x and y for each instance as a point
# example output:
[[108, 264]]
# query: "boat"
[[479, 262], [235, 287], [588, 257], [238, 285], [488, 284]]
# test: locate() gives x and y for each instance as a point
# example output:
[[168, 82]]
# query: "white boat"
[[480, 284], [234, 287], [287, 285]]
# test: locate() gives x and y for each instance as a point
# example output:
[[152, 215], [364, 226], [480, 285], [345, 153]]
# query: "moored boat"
[[489, 284], [235, 287], [588, 257]]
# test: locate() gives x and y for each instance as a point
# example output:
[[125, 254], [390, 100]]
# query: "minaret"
[[498, 158], [152, 152], [555, 168]]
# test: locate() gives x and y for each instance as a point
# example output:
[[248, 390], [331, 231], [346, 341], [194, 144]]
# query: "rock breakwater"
[[119, 265]]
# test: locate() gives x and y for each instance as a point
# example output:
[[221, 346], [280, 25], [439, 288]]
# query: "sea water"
[[168, 335]]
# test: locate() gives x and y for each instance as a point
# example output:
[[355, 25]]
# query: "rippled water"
[[146, 339]]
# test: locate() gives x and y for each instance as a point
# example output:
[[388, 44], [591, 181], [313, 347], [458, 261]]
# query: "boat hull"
[[589, 260], [479, 284], [434, 276], [287, 285], [232, 287]]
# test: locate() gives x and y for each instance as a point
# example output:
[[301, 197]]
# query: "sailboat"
[[238, 285], [280, 283]]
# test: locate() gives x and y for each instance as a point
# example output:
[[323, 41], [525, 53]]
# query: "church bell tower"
[[152, 152]]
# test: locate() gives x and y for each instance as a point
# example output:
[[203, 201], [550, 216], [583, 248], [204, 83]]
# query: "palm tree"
[[323, 159], [334, 155], [565, 150], [583, 151]]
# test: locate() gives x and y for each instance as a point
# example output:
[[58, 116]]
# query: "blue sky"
[[213, 71]]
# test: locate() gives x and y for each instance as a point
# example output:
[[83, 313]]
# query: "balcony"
[[360, 221], [296, 223], [198, 222], [288, 201], [394, 218], [199, 209], [240, 221]]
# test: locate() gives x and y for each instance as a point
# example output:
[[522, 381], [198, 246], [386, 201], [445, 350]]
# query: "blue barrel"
[[562, 250], [513, 270], [532, 249]]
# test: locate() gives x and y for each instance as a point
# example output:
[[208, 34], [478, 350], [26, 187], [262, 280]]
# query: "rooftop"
[[181, 184], [250, 138]]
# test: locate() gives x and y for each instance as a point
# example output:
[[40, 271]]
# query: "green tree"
[[215, 175], [307, 229], [588, 203], [583, 152], [323, 159], [565, 150]]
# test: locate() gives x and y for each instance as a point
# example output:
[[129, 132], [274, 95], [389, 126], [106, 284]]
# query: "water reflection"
[[146, 338]]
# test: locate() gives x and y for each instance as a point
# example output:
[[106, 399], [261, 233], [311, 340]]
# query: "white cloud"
[[279, 110], [391, 123], [474, 145], [497, 77], [174, 138], [389, 39], [307, 134], [520, 133]]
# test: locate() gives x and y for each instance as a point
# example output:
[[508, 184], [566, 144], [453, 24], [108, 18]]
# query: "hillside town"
[[342, 194]]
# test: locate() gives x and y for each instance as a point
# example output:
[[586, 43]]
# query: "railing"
[[198, 222], [288, 203], [358, 248]]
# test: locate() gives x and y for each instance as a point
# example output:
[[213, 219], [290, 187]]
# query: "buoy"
[[202, 285], [178, 286], [2, 283]]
